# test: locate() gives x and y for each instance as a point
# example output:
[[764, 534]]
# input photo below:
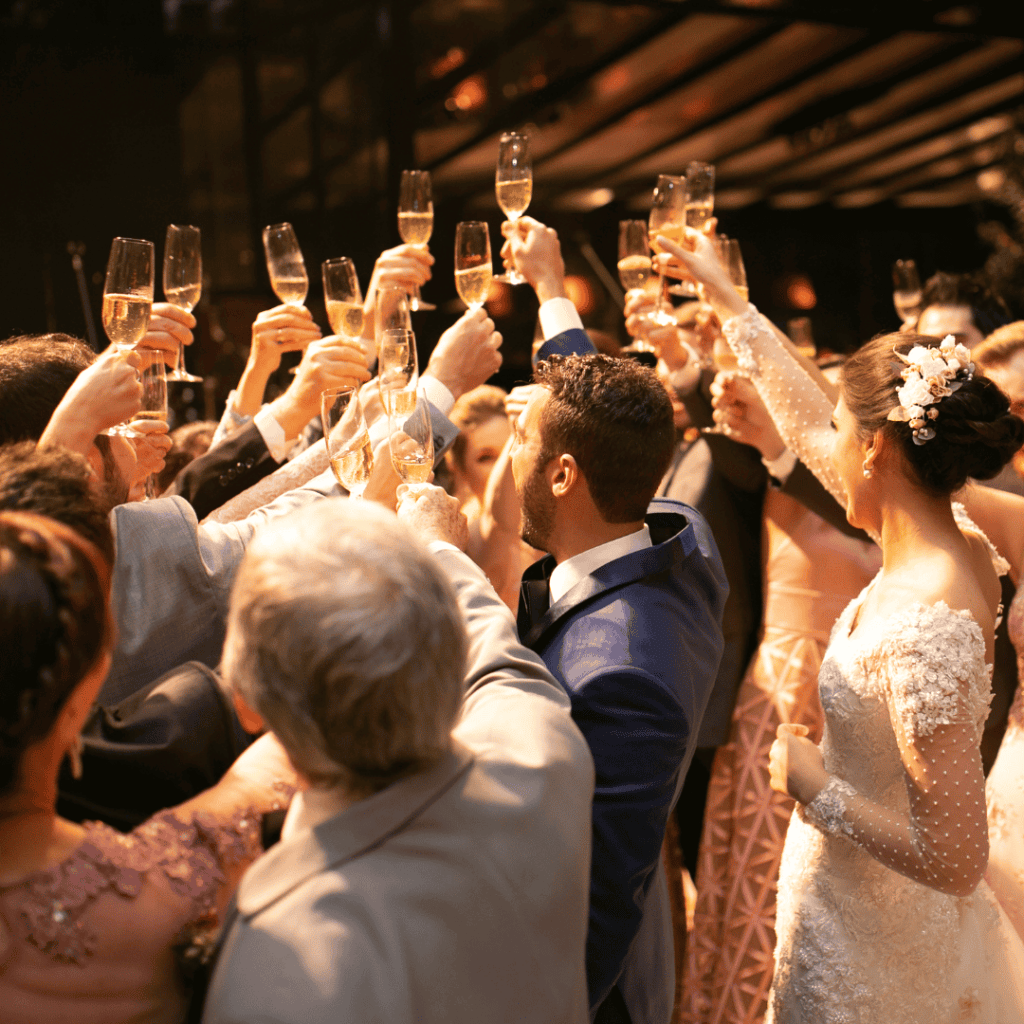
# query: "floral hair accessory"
[[929, 377]]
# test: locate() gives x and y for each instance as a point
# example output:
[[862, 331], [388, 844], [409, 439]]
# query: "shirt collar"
[[567, 574]]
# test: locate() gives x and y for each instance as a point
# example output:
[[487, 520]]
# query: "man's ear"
[[563, 475], [251, 721]]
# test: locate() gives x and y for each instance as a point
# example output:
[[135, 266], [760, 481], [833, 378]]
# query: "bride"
[[882, 911]]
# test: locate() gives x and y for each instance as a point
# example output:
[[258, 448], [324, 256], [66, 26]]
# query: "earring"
[[868, 470], [75, 756]]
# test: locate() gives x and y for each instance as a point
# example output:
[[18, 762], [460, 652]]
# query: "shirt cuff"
[[558, 316], [273, 434], [442, 545], [781, 467], [437, 394]]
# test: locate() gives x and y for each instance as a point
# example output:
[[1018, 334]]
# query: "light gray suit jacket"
[[457, 896], [172, 580]]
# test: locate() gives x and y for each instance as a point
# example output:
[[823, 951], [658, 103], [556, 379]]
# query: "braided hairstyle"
[[975, 432], [55, 621]]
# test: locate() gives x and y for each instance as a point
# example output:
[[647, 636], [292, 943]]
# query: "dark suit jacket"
[[573, 342], [637, 646]]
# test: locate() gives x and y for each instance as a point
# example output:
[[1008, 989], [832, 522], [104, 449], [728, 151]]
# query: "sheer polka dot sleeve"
[[933, 674], [801, 410]]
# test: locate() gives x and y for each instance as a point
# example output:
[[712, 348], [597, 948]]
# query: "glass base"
[[416, 304], [182, 375]]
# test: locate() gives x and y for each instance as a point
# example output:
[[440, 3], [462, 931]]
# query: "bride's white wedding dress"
[[881, 915]]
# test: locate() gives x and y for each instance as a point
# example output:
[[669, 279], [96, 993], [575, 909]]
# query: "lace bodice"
[[881, 867], [106, 919]]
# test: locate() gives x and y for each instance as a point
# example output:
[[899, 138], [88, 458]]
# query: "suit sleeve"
[[638, 734], [231, 467], [573, 342]]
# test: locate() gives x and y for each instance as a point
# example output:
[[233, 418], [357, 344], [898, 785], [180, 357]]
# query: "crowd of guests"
[[269, 753]]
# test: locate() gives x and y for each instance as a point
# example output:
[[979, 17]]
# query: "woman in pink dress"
[[96, 925]]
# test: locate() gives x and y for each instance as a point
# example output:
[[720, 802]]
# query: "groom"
[[626, 613]]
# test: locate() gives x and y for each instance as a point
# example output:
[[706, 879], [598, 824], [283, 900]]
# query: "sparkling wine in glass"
[[906, 290], [700, 194], [397, 367], [416, 219], [127, 298], [153, 376], [666, 218], [412, 437], [348, 440], [285, 265], [183, 281], [473, 273], [343, 298], [513, 185]]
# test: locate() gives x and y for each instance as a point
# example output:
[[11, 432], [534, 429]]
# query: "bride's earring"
[[868, 470], [75, 756]]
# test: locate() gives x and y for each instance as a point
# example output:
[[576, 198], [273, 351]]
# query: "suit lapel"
[[619, 573], [361, 827]]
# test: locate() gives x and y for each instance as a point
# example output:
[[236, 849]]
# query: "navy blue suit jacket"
[[637, 646], [573, 342]]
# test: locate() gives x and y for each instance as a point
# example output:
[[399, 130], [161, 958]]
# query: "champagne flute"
[[513, 185], [412, 437], [183, 281], [737, 271], [285, 265], [343, 298], [154, 377], [416, 220], [391, 313], [473, 273], [634, 266], [666, 218], [397, 369], [348, 440], [906, 291], [127, 299], [699, 205]]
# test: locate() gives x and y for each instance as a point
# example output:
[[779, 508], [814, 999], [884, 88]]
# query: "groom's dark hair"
[[615, 419]]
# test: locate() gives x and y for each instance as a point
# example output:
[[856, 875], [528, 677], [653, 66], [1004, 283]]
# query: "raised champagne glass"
[[412, 438], [473, 273], [699, 206], [397, 368], [513, 185], [183, 281], [906, 291], [285, 265], [153, 376], [127, 299], [666, 218], [348, 440], [343, 298], [416, 220]]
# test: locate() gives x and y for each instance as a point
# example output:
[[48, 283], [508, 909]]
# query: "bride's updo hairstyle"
[[55, 624], [975, 433]]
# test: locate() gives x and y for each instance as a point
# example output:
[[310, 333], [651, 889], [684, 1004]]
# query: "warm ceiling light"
[[499, 299], [991, 179], [584, 200], [800, 292], [470, 94], [453, 59], [580, 293]]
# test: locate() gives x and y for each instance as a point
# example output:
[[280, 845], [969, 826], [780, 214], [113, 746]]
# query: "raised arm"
[[797, 396]]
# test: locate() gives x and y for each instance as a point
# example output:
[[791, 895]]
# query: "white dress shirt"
[[568, 573]]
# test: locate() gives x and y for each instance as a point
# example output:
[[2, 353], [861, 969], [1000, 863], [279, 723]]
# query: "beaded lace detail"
[[901, 824], [190, 855]]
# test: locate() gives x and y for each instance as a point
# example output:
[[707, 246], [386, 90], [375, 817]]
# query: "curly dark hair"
[[975, 433], [988, 310], [36, 371], [615, 419], [56, 622]]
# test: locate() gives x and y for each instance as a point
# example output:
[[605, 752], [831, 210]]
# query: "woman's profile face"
[[483, 446], [847, 453]]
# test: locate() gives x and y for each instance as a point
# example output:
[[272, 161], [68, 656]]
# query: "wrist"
[[291, 414], [550, 287], [250, 388]]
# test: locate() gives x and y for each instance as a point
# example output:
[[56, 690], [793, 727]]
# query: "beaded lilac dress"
[[103, 936], [880, 914]]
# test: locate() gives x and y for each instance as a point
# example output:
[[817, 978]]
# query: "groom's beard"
[[537, 518]]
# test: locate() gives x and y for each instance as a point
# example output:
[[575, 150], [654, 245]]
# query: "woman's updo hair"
[[975, 433], [55, 624]]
